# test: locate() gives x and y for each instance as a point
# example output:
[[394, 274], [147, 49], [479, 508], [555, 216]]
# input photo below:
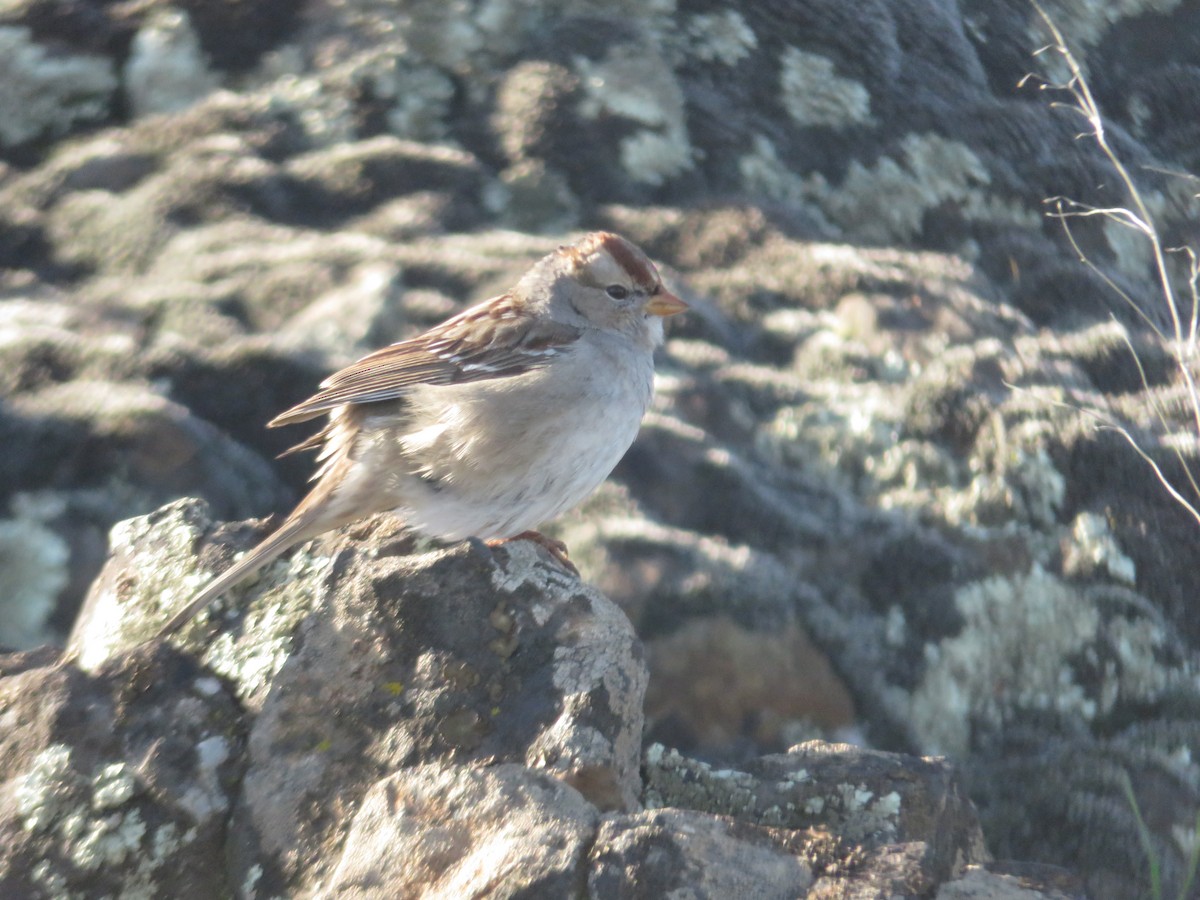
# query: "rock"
[[503, 831], [119, 780], [707, 675], [658, 853], [998, 881], [461, 656], [869, 799], [442, 705], [46, 95]]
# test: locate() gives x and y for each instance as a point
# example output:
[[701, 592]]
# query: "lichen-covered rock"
[[83, 454], [117, 781], [869, 799], [368, 662], [435, 706], [45, 95]]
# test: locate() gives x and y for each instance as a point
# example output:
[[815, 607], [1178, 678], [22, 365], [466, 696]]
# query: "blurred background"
[[908, 481]]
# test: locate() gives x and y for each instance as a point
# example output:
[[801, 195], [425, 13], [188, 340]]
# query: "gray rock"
[[116, 781], [869, 799], [449, 706], [48, 94], [676, 852], [503, 831]]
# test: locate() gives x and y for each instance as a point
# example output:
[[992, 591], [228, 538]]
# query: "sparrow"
[[490, 424]]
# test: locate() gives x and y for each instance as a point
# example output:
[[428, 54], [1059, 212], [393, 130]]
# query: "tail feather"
[[330, 504], [297, 528]]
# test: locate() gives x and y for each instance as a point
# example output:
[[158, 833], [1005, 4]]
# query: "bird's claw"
[[555, 548]]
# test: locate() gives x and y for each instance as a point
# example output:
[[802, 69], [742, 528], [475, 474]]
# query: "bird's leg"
[[555, 548]]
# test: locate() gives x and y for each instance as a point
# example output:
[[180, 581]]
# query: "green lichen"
[[886, 202], [89, 816], [113, 786], [108, 841], [160, 548], [282, 594], [852, 809]]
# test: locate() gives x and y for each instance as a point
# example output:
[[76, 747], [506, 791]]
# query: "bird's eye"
[[617, 291]]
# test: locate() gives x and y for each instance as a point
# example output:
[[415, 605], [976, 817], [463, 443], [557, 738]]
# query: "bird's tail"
[[300, 526]]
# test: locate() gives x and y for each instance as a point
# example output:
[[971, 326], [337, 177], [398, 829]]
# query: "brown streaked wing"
[[443, 355]]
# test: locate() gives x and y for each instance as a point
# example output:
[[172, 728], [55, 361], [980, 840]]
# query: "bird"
[[490, 424]]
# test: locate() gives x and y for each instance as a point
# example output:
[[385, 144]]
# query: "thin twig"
[[1183, 338]]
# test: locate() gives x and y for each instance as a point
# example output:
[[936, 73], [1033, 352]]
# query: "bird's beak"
[[664, 304]]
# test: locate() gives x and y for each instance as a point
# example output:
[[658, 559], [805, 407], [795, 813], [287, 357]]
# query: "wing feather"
[[450, 353]]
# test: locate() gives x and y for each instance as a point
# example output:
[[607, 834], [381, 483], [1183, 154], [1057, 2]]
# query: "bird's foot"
[[555, 548]]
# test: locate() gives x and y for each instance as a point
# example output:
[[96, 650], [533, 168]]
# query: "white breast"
[[505, 456]]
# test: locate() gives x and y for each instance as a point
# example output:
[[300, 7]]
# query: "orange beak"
[[664, 303]]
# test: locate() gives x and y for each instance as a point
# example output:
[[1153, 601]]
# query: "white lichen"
[[43, 794], [254, 875], [840, 430], [166, 70], [854, 798], [89, 818], [46, 94], [165, 841], [886, 201], [1140, 673], [988, 670], [212, 752], [762, 171], [895, 630], [1129, 243], [722, 37], [526, 564], [444, 34], [166, 580], [1092, 546], [635, 84], [1087, 22], [205, 797], [108, 841], [113, 786], [651, 157], [1027, 490], [34, 564], [864, 815], [54, 882], [814, 94], [420, 96]]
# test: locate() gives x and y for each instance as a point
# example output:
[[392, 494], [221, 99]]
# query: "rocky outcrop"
[[369, 721]]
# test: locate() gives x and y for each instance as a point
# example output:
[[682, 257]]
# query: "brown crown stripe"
[[625, 254], [629, 258]]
